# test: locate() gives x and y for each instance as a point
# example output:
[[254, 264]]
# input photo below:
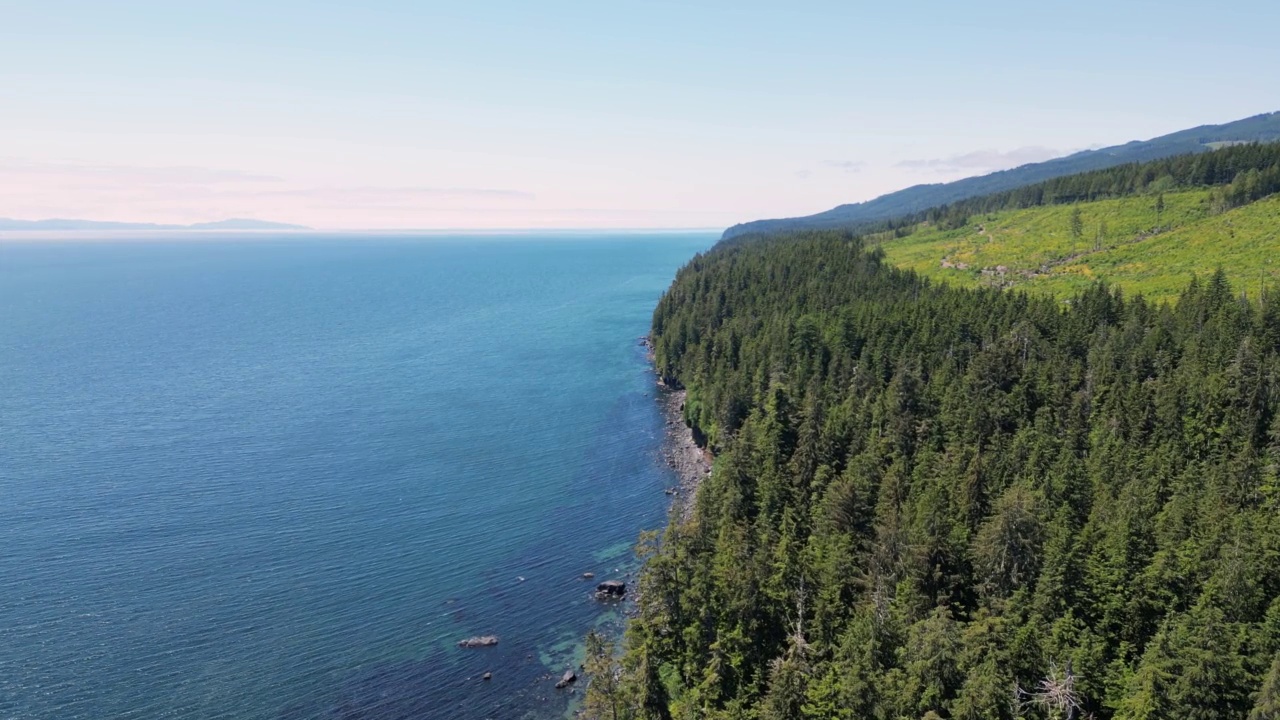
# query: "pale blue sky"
[[584, 114]]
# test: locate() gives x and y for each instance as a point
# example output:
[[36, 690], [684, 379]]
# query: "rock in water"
[[610, 589], [488, 676], [568, 677], [478, 641], [588, 575]]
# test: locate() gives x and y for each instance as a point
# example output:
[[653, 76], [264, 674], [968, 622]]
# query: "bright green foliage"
[[1039, 250], [1145, 227], [931, 501]]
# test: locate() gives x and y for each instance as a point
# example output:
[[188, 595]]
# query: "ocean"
[[279, 477]]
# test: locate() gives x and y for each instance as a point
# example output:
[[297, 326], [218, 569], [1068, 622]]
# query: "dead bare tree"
[[797, 638], [1057, 693]]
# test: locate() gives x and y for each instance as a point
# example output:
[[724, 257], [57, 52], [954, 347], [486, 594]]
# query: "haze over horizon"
[[499, 115]]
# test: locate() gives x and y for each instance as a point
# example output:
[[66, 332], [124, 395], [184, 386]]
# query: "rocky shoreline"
[[680, 450], [681, 453], [691, 465]]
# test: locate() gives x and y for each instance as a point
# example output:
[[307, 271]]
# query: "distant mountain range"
[[64, 225], [1259, 128]]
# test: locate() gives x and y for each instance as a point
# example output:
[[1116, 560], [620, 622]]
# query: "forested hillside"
[[937, 502], [857, 216]]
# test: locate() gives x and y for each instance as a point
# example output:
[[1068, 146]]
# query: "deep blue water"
[[280, 478]]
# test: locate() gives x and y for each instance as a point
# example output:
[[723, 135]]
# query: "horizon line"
[[53, 233]]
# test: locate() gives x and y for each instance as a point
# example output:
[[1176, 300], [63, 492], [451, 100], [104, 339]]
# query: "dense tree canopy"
[[945, 503]]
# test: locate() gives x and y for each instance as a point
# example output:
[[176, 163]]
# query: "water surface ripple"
[[280, 477]]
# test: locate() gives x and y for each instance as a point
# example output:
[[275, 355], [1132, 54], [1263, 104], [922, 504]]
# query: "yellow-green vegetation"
[[1151, 243]]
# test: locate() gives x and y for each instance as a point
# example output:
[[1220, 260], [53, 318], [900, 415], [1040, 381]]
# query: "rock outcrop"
[[479, 641], [611, 589], [569, 677]]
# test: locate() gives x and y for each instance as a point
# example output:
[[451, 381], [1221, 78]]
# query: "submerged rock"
[[569, 676], [478, 641]]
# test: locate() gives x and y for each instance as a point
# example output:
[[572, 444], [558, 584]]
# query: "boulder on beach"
[[478, 641], [568, 677]]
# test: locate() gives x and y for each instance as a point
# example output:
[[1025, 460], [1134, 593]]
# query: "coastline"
[[690, 462], [681, 453]]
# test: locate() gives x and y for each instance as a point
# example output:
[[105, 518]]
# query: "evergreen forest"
[[935, 501]]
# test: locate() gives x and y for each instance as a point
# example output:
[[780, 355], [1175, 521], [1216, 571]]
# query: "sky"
[[555, 114]]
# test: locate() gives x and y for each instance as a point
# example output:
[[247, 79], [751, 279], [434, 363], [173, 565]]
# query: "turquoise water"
[[280, 478]]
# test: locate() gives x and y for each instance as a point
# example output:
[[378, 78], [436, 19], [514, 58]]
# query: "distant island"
[[61, 224]]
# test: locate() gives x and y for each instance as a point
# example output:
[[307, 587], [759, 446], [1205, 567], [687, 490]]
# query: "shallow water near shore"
[[281, 477]]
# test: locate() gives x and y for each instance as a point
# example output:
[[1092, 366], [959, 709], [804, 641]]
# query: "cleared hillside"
[[1127, 241]]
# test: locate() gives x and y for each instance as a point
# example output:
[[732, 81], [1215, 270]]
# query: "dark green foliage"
[[1266, 705], [1077, 225], [604, 697], [934, 502]]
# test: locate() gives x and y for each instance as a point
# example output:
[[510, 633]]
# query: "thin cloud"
[[849, 166], [183, 194], [135, 174], [378, 194], [984, 160]]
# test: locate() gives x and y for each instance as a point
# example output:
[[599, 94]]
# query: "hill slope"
[[1125, 242], [1260, 128]]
